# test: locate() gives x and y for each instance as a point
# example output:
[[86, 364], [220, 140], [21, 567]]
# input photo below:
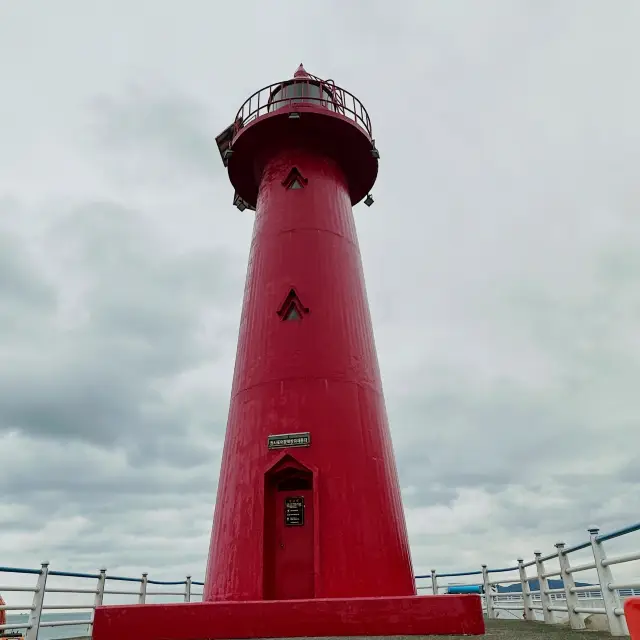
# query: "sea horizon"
[[56, 633]]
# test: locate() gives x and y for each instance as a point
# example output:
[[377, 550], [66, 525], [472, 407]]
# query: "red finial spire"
[[300, 72]]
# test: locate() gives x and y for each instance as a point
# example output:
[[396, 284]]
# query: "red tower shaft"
[[317, 374]]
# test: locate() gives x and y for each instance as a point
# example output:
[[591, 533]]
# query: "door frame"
[[282, 462]]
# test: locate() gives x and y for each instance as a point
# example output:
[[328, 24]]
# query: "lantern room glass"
[[301, 92]]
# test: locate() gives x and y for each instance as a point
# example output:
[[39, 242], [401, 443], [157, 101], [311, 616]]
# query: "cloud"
[[501, 259], [139, 323], [156, 135]]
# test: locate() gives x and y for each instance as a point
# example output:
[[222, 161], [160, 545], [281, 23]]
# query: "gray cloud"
[[23, 295], [156, 136], [141, 313], [501, 258]]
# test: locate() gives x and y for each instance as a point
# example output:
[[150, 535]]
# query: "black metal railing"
[[303, 91]]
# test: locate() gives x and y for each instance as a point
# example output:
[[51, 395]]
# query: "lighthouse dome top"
[[301, 72]]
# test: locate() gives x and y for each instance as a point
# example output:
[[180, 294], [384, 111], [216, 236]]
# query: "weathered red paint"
[[414, 615], [318, 374], [632, 615], [306, 362]]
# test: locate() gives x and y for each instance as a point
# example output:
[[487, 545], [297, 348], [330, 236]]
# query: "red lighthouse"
[[309, 536], [308, 500]]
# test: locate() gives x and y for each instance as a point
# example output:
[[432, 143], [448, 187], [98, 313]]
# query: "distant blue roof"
[[534, 585]]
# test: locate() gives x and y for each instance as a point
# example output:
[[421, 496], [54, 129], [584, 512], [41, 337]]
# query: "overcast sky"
[[502, 258]]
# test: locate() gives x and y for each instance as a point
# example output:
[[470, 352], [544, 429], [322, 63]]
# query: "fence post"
[[575, 619], [143, 589], [38, 600], [187, 589], [617, 623], [434, 582], [543, 583], [487, 593], [102, 578], [529, 613], [97, 602]]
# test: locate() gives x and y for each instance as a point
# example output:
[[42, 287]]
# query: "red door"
[[289, 558], [293, 561]]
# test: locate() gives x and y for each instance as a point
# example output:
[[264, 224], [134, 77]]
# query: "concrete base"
[[397, 616]]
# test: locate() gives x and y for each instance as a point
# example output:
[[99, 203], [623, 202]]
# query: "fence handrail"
[[603, 537], [561, 594], [38, 606], [94, 576]]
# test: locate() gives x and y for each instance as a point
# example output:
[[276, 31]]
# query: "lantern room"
[[304, 89]]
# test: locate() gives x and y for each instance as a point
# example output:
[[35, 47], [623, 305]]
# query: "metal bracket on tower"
[[374, 151], [223, 140], [368, 200], [240, 203]]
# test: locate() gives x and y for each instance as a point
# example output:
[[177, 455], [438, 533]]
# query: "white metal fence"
[[570, 603], [93, 596]]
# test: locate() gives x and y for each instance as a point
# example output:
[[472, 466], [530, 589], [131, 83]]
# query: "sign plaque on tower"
[[306, 540], [287, 440]]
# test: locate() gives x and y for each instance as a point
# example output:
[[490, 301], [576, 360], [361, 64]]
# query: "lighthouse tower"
[[309, 537], [308, 501]]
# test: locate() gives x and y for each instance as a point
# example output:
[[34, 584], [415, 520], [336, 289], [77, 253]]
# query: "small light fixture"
[[368, 200], [294, 115], [239, 202], [375, 153]]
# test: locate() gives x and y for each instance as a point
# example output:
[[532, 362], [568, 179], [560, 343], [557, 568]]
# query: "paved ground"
[[504, 630], [518, 629]]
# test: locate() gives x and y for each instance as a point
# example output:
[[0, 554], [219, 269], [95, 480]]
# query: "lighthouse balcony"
[[303, 111], [300, 94]]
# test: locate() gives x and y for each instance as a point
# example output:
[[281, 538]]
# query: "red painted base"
[[412, 615], [632, 614]]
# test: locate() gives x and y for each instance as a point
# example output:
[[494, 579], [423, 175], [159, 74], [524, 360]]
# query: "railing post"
[[143, 589], [575, 619], [38, 600], [487, 593], [543, 583], [102, 578], [187, 589], [529, 613], [434, 582], [97, 602], [617, 623]]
